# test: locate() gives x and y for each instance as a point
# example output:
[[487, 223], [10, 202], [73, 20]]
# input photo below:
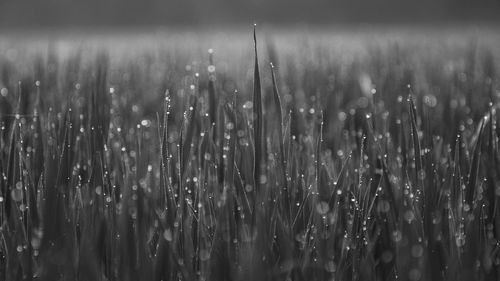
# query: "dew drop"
[[167, 234], [322, 207]]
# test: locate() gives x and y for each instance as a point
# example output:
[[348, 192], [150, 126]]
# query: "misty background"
[[123, 13]]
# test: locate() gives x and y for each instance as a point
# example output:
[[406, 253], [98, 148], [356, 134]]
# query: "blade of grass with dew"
[[279, 127], [257, 119], [220, 129], [474, 168], [417, 151], [212, 100]]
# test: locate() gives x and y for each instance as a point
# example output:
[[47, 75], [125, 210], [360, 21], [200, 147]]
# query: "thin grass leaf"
[[279, 128], [257, 120], [474, 168]]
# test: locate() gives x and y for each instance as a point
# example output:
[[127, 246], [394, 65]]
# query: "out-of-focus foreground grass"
[[357, 156]]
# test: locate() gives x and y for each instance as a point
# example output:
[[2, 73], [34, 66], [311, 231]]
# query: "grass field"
[[188, 156]]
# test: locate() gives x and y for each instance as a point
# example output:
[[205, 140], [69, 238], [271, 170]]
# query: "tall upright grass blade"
[[257, 120], [189, 138], [419, 172], [279, 127], [474, 168], [212, 99]]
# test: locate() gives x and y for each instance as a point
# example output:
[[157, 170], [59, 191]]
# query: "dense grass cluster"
[[373, 165]]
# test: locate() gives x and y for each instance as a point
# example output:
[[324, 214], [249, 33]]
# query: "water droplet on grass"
[[248, 188], [322, 207], [17, 194], [397, 235], [167, 234]]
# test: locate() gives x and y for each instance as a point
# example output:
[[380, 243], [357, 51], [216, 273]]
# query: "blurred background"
[[32, 14]]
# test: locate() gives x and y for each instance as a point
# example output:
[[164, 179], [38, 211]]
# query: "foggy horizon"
[[129, 13]]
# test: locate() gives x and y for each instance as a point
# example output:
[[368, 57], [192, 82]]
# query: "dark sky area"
[[123, 13]]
